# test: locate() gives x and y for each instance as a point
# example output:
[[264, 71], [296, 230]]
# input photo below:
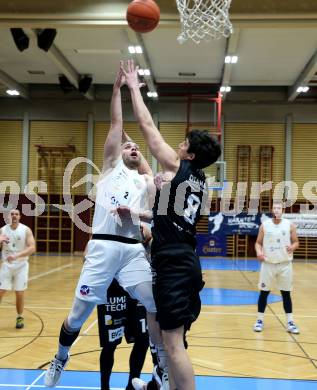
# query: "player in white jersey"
[[115, 250], [276, 242], [17, 245]]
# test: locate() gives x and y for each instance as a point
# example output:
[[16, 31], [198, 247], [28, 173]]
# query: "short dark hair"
[[206, 148]]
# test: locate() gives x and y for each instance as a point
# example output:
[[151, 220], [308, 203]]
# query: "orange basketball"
[[143, 15]]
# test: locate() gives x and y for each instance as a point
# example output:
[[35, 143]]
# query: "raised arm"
[[165, 155], [112, 147], [144, 167]]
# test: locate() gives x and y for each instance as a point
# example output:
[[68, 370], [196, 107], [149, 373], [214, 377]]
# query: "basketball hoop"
[[204, 19]]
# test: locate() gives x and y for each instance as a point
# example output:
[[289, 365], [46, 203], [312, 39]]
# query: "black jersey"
[[177, 207]]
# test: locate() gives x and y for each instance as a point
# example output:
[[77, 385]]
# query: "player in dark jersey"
[[121, 316], [177, 209]]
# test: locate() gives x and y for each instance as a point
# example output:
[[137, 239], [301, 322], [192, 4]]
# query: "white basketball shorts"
[[278, 275], [14, 276], [106, 260]]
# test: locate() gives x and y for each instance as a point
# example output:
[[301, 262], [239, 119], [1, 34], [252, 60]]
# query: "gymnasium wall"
[[65, 122], [10, 150], [304, 156], [255, 134]]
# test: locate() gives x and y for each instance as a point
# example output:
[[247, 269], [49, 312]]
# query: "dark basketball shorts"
[[126, 319], [177, 281]]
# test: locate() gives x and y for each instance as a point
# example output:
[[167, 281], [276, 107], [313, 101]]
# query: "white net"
[[204, 19]]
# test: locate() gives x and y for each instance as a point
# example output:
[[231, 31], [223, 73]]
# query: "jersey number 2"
[[193, 203]]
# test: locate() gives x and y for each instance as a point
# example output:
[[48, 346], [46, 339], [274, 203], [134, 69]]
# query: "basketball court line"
[[75, 342], [35, 277]]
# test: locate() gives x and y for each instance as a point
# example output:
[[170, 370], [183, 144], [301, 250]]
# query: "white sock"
[[62, 352], [260, 316], [161, 356], [289, 317]]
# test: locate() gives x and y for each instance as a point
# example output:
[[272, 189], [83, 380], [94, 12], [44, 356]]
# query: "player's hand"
[[131, 74], [4, 238], [261, 257], [289, 249], [124, 212], [146, 234], [11, 258], [160, 178]]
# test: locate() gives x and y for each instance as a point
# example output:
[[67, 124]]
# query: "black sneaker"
[[20, 323]]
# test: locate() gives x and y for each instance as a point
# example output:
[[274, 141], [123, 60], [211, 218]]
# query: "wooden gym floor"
[[221, 342]]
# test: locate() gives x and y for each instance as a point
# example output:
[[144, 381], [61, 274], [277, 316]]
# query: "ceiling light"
[[144, 72], [131, 49], [135, 50], [231, 59], [302, 89], [13, 92], [225, 88], [152, 94]]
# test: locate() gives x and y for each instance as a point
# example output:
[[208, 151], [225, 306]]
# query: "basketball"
[[143, 15]]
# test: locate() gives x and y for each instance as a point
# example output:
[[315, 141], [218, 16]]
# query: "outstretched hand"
[[130, 73]]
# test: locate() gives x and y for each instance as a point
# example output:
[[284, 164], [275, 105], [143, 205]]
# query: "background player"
[[17, 245], [121, 316], [275, 244]]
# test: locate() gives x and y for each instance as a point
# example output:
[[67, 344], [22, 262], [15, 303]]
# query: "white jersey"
[[17, 242], [276, 238], [120, 187]]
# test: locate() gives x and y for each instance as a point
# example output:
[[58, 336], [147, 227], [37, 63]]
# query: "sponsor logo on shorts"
[[115, 334], [84, 290], [119, 321], [108, 320]]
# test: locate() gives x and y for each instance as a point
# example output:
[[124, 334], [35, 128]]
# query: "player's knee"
[[143, 293], [173, 348], [149, 304]]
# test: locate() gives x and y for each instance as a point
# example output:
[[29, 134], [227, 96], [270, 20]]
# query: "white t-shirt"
[[276, 238]]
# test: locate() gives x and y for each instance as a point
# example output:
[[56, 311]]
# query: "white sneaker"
[[139, 384], [54, 371], [161, 377], [165, 383], [292, 328], [258, 326]]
